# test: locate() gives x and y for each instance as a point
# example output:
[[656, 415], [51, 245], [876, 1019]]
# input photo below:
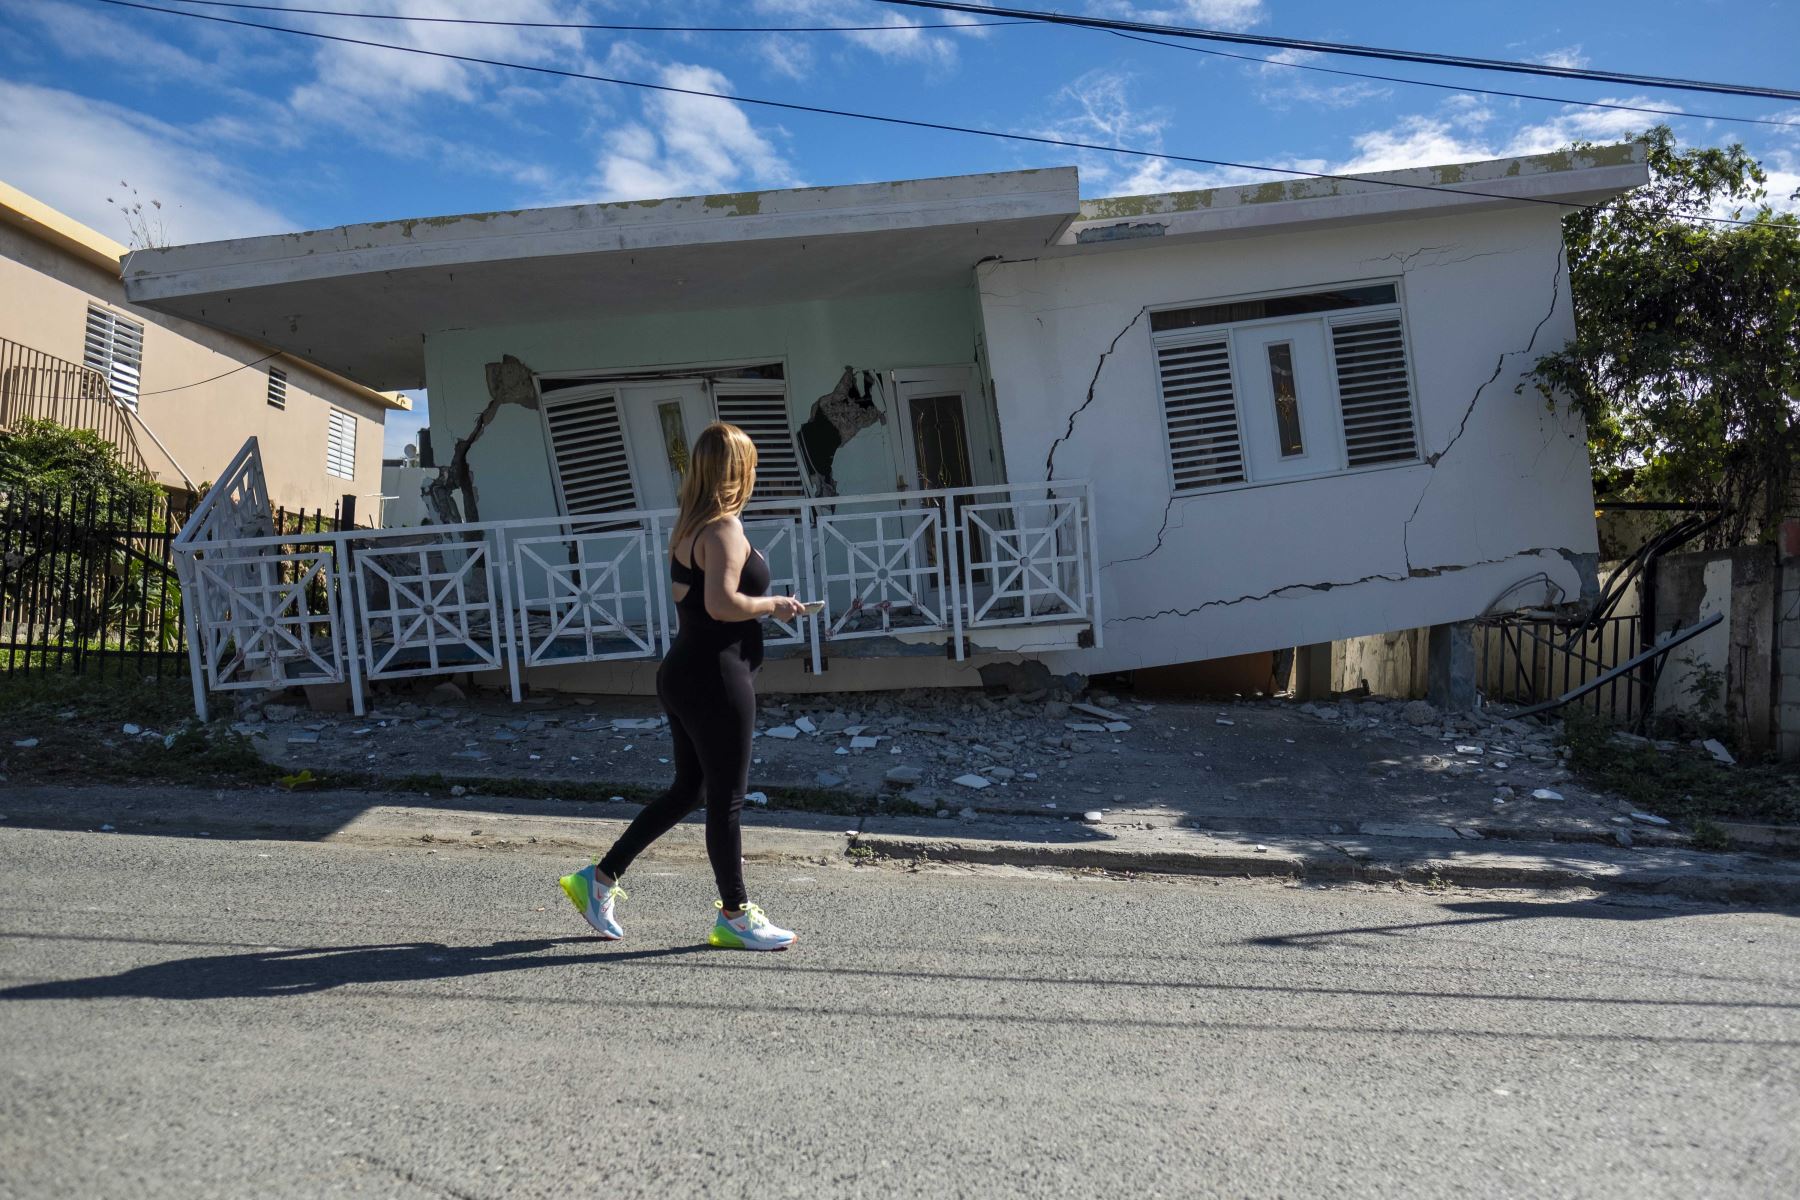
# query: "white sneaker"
[[749, 930]]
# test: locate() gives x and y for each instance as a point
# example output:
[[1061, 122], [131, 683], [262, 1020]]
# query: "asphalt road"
[[193, 1018]]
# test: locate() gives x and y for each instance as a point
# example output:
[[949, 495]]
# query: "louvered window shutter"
[[764, 416], [340, 445], [1373, 392], [1200, 415], [587, 447], [277, 387], [114, 347]]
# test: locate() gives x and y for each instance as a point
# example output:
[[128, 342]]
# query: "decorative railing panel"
[[276, 607]]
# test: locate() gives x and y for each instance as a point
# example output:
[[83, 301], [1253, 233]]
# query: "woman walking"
[[704, 684]]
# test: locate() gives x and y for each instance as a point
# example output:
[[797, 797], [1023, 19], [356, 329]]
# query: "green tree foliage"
[[46, 459], [80, 537], [1686, 359]]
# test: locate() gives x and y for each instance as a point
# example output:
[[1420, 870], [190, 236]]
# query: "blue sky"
[[240, 132]]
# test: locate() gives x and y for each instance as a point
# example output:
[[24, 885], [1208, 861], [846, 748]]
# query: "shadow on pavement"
[[1488, 912], [275, 972]]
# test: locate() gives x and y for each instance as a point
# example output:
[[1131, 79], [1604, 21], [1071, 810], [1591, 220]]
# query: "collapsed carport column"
[[1450, 666]]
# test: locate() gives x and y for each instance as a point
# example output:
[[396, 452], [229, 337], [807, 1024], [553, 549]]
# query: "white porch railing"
[[267, 609]]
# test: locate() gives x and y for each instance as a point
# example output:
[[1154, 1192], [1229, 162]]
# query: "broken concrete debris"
[[973, 782]]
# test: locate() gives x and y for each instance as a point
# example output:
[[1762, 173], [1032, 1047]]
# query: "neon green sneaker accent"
[[751, 931], [575, 887]]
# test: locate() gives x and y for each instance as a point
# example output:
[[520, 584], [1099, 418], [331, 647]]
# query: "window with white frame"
[[1284, 387], [278, 388], [114, 346], [340, 445]]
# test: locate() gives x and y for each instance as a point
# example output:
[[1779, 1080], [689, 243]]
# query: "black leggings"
[[711, 704]]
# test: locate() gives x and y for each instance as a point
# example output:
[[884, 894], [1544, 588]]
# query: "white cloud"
[[388, 78], [86, 33], [787, 55], [1568, 56], [1281, 84], [71, 152], [907, 41], [1213, 14], [687, 145], [1454, 135]]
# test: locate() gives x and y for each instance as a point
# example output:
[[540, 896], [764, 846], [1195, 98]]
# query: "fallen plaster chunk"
[[757, 798], [854, 730], [1717, 749], [1474, 750], [1084, 727], [974, 782], [1093, 816], [859, 742], [620, 724], [1094, 710], [904, 776], [1546, 794], [1645, 818], [786, 733], [805, 725], [1224, 721]]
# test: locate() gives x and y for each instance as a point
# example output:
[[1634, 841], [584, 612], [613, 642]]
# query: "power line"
[[606, 26], [1452, 87], [1359, 51], [906, 122], [181, 387], [1149, 41]]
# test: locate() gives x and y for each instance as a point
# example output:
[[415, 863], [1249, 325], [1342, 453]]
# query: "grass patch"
[[79, 724], [1683, 786]]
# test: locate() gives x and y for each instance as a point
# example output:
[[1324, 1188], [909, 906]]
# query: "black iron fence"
[[88, 581], [1525, 659]]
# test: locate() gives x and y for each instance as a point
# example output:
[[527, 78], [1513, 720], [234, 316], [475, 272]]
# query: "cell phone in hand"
[[813, 608]]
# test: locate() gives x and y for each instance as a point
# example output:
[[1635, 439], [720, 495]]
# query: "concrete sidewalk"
[[501, 823]]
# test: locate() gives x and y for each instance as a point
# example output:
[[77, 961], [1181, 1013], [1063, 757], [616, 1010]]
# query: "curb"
[[1719, 878]]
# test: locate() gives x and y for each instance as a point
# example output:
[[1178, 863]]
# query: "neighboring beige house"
[[187, 396]]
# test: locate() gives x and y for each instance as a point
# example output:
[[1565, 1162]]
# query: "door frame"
[[979, 419]]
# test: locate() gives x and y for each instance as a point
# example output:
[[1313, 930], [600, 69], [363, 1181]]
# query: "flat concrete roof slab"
[[360, 298]]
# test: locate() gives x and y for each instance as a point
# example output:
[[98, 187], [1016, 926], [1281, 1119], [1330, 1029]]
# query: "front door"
[[661, 422], [1284, 384], [946, 434]]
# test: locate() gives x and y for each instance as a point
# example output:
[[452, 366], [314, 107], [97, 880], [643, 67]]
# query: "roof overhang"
[[1561, 179], [360, 299]]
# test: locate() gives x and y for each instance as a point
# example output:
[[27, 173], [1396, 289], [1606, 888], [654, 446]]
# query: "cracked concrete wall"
[[1504, 493], [816, 339]]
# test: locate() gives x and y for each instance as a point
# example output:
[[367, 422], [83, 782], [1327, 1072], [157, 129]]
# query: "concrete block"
[[1790, 661], [1451, 666], [1790, 629]]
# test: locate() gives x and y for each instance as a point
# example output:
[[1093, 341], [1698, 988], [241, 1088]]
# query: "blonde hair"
[[721, 471]]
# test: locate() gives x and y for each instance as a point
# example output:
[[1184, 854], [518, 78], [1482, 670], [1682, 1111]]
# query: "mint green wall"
[[510, 463]]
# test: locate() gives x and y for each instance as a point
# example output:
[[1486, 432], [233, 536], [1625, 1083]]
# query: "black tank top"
[[700, 630]]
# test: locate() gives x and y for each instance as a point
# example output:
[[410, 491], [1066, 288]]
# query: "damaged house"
[[996, 423]]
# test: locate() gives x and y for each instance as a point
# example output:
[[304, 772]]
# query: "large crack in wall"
[[1331, 585], [509, 381], [1050, 458], [1406, 261]]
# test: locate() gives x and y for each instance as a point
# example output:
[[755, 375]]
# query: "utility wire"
[[1451, 87], [1149, 41], [1356, 50], [906, 122], [596, 25], [182, 387]]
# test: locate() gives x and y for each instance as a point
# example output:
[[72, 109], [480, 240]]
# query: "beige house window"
[[340, 445], [115, 347]]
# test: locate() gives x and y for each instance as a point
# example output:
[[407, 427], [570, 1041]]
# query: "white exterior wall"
[[1320, 559]]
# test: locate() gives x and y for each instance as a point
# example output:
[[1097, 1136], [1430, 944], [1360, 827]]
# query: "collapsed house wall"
[[509, 464], [1503, 493]]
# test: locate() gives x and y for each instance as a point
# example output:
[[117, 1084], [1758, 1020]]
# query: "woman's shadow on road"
[[282, 972]]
